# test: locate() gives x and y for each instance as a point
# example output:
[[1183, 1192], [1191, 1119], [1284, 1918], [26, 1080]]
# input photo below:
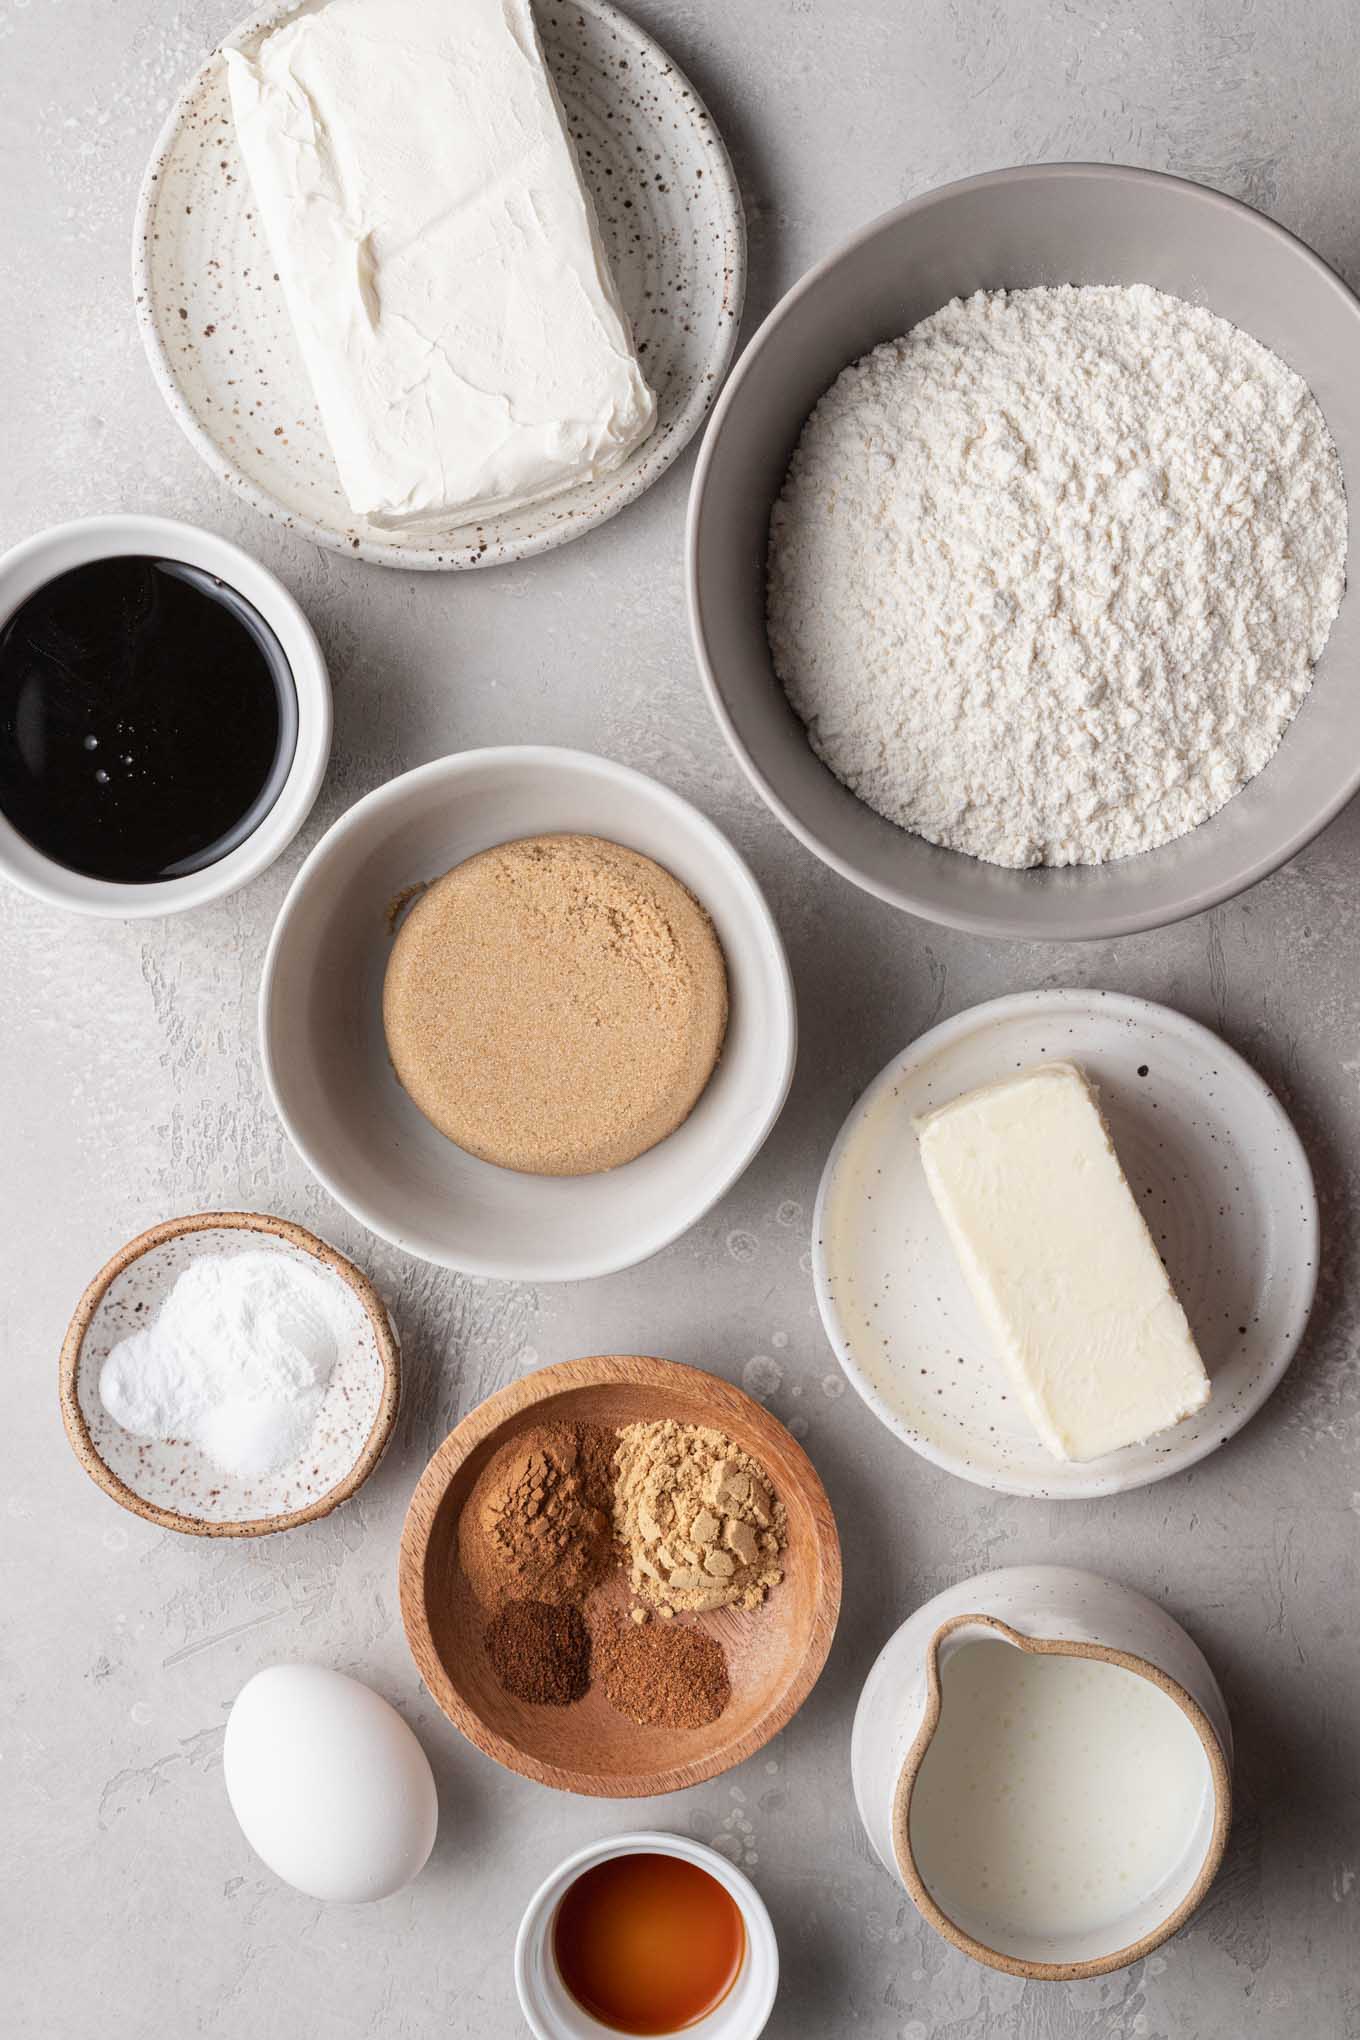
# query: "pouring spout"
[[1058, 1793]]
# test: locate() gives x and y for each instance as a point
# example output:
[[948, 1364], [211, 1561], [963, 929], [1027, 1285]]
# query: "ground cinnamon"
[[661, 1676], [540, 1652], [538, 1525]]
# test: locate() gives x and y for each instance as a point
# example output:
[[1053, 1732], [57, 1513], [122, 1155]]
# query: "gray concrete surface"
[[130, 1090]]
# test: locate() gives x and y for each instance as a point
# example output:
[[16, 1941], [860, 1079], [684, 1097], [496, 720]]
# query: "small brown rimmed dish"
[[774, 1653], [171, 1482], [1189, 1889]]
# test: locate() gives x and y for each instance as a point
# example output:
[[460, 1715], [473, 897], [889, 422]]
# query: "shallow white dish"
[[173, 1482], [48, 554], [325, 1054], [221, 346], [553, 2014], [1218, 1170]]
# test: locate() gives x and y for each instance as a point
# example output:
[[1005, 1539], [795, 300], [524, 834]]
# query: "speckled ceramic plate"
[[221, 344], [1218, 1169], [172, 1482]]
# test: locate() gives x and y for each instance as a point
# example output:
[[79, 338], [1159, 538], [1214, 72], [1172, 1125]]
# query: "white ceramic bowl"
[[1078, 1614], [553, 2014], [325, 1055], [41, 559], [1080, 223]]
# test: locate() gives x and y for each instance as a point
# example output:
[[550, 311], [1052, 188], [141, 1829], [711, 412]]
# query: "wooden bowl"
[[173, 1483], [774, 1653]]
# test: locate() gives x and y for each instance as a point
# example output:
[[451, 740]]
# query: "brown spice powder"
[[538, 1523], [540, 1653], [668, 1677]]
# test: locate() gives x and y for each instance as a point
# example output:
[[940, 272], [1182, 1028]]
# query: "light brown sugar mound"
[[556, 1005]]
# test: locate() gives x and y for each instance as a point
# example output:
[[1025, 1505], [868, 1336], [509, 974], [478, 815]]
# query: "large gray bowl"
[[1056, 223]]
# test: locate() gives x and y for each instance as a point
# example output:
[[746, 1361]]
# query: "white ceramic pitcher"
[[1047, 1611]]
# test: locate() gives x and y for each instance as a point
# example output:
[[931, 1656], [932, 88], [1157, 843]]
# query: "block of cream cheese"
[[1060, 1262], [439, 254]]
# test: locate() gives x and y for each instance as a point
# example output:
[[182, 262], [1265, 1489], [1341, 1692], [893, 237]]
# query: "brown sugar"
[[556, 1005], [662, 1677], [537, 1525]]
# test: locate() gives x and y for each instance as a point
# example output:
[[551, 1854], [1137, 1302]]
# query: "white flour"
[[1048, 577]]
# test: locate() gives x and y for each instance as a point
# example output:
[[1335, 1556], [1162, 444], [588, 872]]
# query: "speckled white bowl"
[[325, 1052], [221, 345], [1222, 1178], [174, 1483]]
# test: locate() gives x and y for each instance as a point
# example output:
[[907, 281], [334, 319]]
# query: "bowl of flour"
[[1017, 553]]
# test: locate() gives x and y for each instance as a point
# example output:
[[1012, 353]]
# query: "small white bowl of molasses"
[[165, 717]]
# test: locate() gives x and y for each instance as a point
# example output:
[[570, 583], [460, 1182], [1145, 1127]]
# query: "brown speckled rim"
[[1038, 1646], [389, 1351]]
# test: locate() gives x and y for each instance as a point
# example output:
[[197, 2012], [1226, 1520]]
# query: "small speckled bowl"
[[172, 1482]]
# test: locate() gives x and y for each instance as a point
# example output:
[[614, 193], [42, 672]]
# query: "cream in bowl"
[[1062, 1803], [1053, 1794]]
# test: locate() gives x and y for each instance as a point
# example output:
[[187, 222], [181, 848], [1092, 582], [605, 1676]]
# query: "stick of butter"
[[1061, 1263], [439, 254]]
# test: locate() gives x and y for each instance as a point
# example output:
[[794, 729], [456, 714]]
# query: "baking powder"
[[236, 1360]]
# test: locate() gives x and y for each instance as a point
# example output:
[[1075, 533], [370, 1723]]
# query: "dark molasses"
[[148, 719]]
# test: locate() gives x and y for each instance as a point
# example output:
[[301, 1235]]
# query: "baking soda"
[[236, 1360]]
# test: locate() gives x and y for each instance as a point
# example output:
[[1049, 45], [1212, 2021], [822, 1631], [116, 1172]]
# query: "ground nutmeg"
[[663, 1676]]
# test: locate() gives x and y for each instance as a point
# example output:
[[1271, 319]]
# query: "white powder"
[[236, 1360], [1048, 577]]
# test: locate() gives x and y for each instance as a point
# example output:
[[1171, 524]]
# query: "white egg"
[[331, 1788]]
